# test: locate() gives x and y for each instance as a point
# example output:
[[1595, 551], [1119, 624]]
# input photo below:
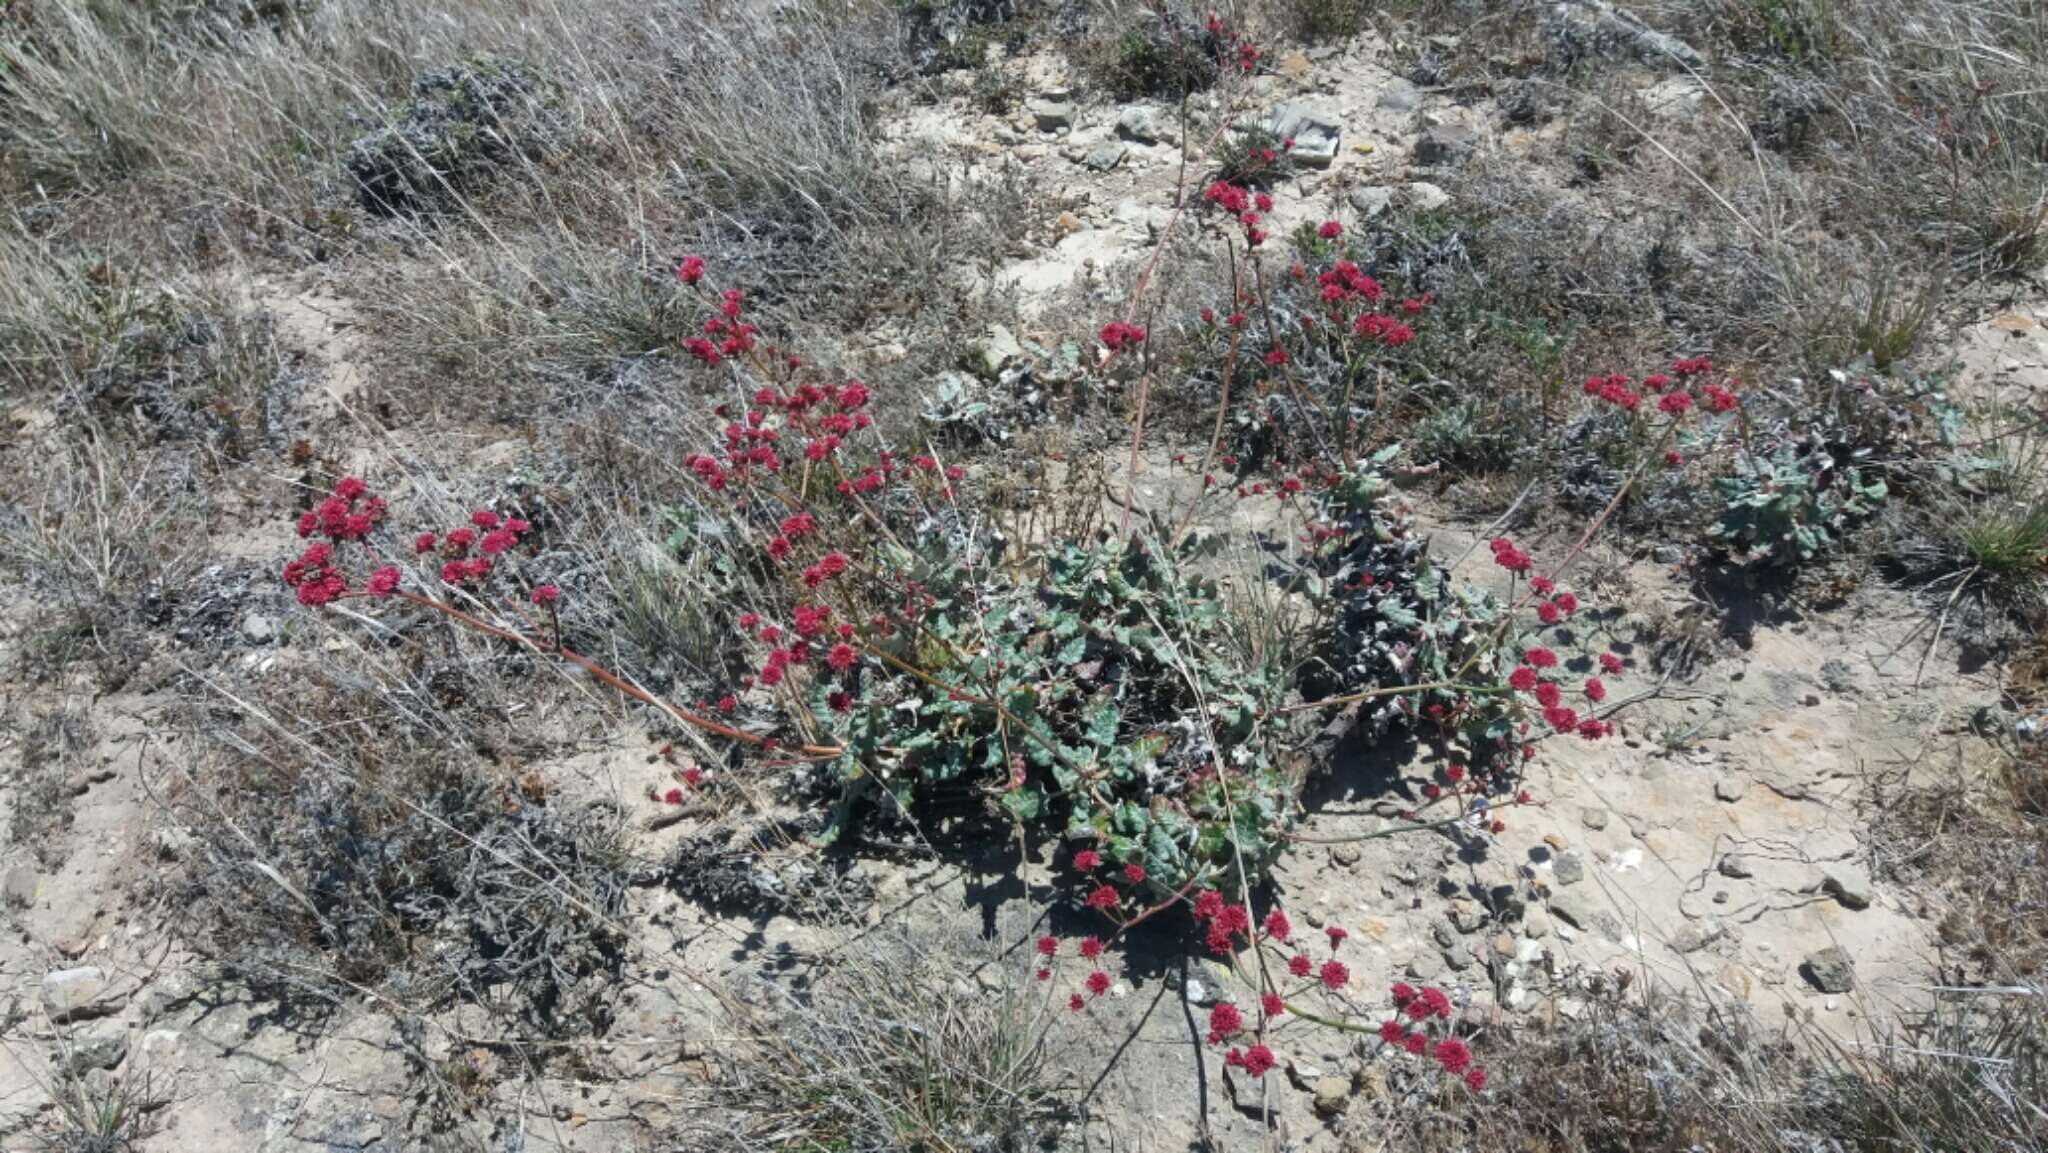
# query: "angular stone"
[[1140, 124], [1729, 788], [1445, 144], [1569, 869], [1372, 201], [20, 886], [1315, 134], [1736, 867], [1536, 925], [77, 994], [1422, 196], [1051, 115], [1848, 885], [104, 1049], [1332, 1095], [1830, 970], [1104, 156], [1593, 817]]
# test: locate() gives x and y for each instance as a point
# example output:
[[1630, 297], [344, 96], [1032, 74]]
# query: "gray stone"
[[1426, 966], [1830, 970], [1593, 817], [1575, 909], [20, 886], [1372, 201], [1668, 554], [1399, 96], [258, 629], [76, 994], [1332, 1095], [1315, 134], [1848, 885], [1736, 866], [1345, 855], [105, 1048], [1445, 144], [1836, 676], [1457, 956], [1694, 936], [1105, 156], [996, 350], [1729, 787], [1595, 24], [1536, 925], [1142, 124], [1422, 196], [1570, 869], [1468, 916], [1051, 115]]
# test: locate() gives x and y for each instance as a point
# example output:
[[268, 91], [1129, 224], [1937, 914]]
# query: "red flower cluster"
[[1507, 556], [1116, 334], [1255, 1060], [1243, 205], [500, 535], [349, 514], [1450, 1054]]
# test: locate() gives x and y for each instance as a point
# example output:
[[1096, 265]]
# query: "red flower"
[[1434, 1000], [1547, 613], [1595, 691], [1334, 975], [1541, 586], [1415, 1043], [384, 581], [1542, 658], [691, 270], [839, 701], [1076, 1003], [484, 518], [423, 542], [1102, 897], [1522, 679], [1561, 718], [673, 796], [1044, 974], [1087, 860], [1336, 934], [1475, 1079], [1610, 664], [1548, 695], [1675, 402], [1452, 1054], [1330, 230], [1567, 602], [1098, 983], [1091, 947], [1258, 1061], [1135, 874], [1402, 992], [1272, 1005], [728, 703], [1276, 925], [1391, 1032], [1276, 356], [1300, 966], [841, 656], [1416, 1010], [1048, 946], [1116, 334], [1224, 1021], [1208, 903]]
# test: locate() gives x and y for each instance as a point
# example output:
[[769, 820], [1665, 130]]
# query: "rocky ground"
[[1722, 850]]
